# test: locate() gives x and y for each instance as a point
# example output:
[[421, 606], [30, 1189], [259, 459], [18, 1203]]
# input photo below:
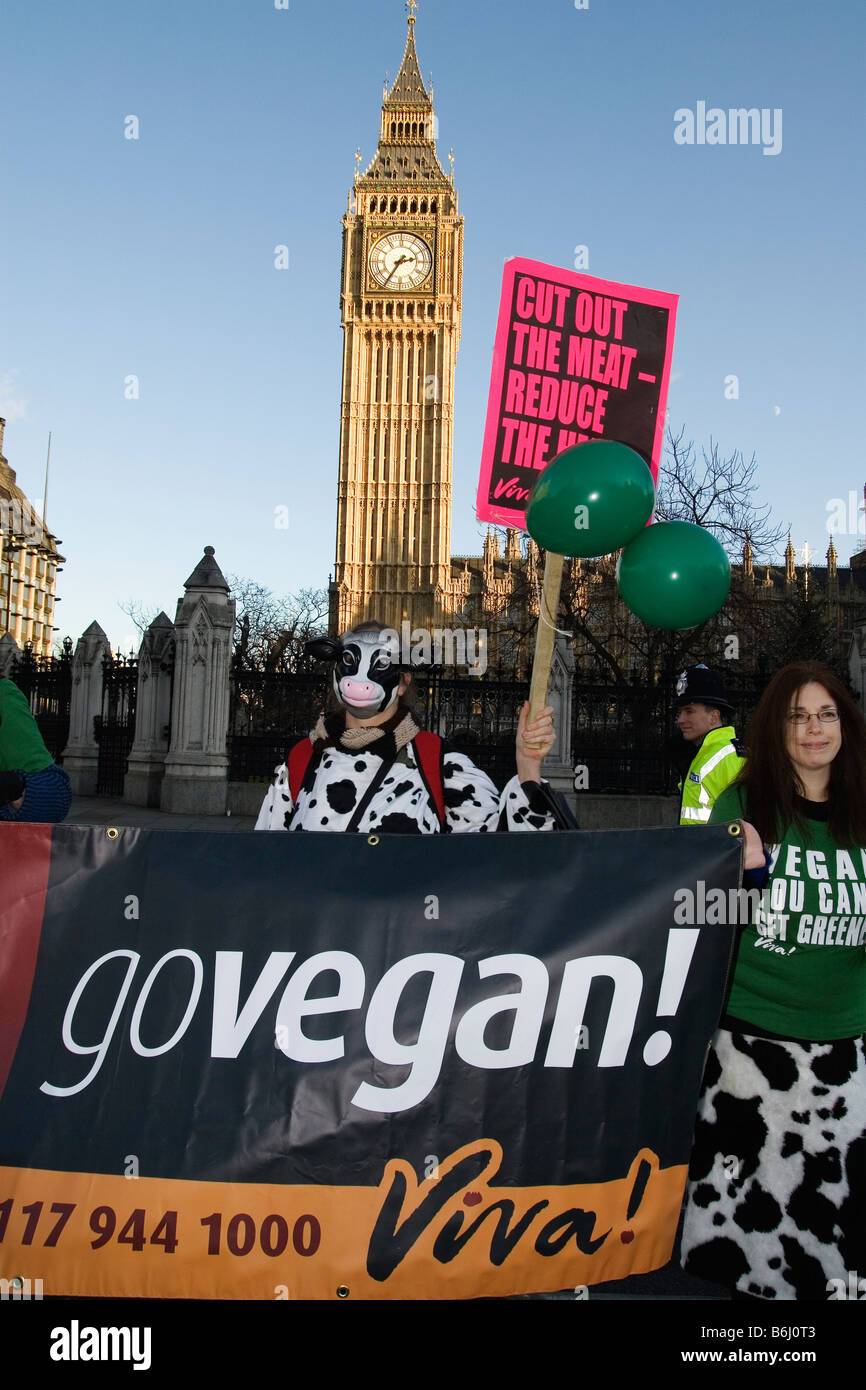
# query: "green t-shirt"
[[21, 746], [801, 962]]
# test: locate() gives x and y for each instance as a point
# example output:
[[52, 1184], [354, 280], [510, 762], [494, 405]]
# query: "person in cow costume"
[[368, 767]]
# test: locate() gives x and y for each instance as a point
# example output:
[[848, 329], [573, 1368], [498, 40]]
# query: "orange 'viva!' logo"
[[439, 1216]]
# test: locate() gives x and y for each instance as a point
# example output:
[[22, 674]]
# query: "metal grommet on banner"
[[371, 840], [112, 833], [734, 828], [343, 1291]]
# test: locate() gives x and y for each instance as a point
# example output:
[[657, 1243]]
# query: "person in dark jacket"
[[32, 786]]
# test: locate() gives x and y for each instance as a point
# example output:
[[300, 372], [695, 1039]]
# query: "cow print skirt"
[[776, 1201]]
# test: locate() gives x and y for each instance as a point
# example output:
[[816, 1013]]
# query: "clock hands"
[[395, 266]]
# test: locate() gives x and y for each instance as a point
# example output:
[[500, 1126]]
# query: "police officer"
[[703, 706]]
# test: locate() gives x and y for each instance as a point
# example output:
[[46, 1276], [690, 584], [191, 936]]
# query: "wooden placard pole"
[[545, 633]]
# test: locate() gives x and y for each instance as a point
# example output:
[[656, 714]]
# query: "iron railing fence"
[[271, 710], [47, 683], [114, 728], [624, 738]]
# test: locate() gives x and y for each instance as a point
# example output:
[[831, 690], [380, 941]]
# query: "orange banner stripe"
[[111, 1236]]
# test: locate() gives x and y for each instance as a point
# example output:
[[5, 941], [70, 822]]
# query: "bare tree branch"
[[141, 615], [718, 493], [271, 632]]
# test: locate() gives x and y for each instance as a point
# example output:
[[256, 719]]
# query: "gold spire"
[[408, 88], [407, 136], [491, 542], [807, 556]]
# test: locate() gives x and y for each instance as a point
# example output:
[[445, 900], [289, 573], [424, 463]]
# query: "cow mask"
[[366, 676]]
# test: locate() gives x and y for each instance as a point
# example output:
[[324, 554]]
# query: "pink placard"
[[575, 359]]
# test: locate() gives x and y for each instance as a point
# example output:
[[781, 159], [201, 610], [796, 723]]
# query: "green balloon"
[[591, 499], [674, 575]]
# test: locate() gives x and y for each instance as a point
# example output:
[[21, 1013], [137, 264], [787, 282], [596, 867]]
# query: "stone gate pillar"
[[146, 766], [9, 652], [196, 767], [81, 754]]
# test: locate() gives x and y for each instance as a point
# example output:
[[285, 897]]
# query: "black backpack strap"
[[371, 791]]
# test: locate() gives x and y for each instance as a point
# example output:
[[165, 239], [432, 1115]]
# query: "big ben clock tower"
[[400, 304]]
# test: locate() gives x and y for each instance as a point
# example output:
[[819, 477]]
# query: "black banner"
[[401, 1066]]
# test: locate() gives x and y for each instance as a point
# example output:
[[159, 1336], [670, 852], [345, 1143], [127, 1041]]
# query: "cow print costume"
[[346, 761], [777, 1193], [336, 782]]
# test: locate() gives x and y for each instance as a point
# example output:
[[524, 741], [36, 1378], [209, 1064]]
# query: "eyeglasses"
[[799, 716]]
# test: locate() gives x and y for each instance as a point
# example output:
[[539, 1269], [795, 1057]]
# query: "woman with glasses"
[[776, 1204]]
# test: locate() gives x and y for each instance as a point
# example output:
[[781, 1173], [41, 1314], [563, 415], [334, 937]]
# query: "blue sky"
[[155, 257]]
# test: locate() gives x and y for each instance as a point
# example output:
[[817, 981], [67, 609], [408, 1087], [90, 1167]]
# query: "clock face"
[[400, 261]]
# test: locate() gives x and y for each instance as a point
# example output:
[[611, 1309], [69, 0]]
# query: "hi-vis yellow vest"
[[715, 766]]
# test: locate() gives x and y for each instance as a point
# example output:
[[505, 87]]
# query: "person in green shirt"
[[32, 786], [775, 1203], [703, 707]]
